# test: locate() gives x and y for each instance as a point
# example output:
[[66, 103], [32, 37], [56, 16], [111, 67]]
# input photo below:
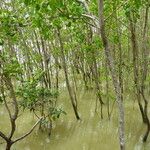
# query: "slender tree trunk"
[[107, 89], [97, 83], [113, 74], [70, 90], [136, 66], [120, 53], [144, 74]]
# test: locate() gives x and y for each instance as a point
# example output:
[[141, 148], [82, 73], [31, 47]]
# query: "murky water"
[[91, 133]]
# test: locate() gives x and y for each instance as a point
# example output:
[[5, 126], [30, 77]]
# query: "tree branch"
[[28, 133], [3, 136]]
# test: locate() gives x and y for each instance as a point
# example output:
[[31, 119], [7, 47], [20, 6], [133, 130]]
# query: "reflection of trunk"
[[70, 90], [50, 126], [114, 76]]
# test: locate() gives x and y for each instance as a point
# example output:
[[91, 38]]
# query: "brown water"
[[91, 133]]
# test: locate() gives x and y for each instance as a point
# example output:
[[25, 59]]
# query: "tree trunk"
[[8, 145], [144, 74], [70, 90], [113, 74]]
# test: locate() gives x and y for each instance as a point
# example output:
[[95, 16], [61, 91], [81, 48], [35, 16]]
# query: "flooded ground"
[[91, 133]]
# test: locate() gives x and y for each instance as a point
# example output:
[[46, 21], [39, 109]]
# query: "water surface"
[[91, 133]]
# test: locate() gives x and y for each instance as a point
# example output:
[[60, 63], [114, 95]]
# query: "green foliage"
[[31, 54], [1, 42], [45, 92], [56, 112], [97, 43], [30, 92], [11, 66], [133, 8], [10, 25]]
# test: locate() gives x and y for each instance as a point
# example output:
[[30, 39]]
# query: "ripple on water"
[[47, 140], [57, 136]]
